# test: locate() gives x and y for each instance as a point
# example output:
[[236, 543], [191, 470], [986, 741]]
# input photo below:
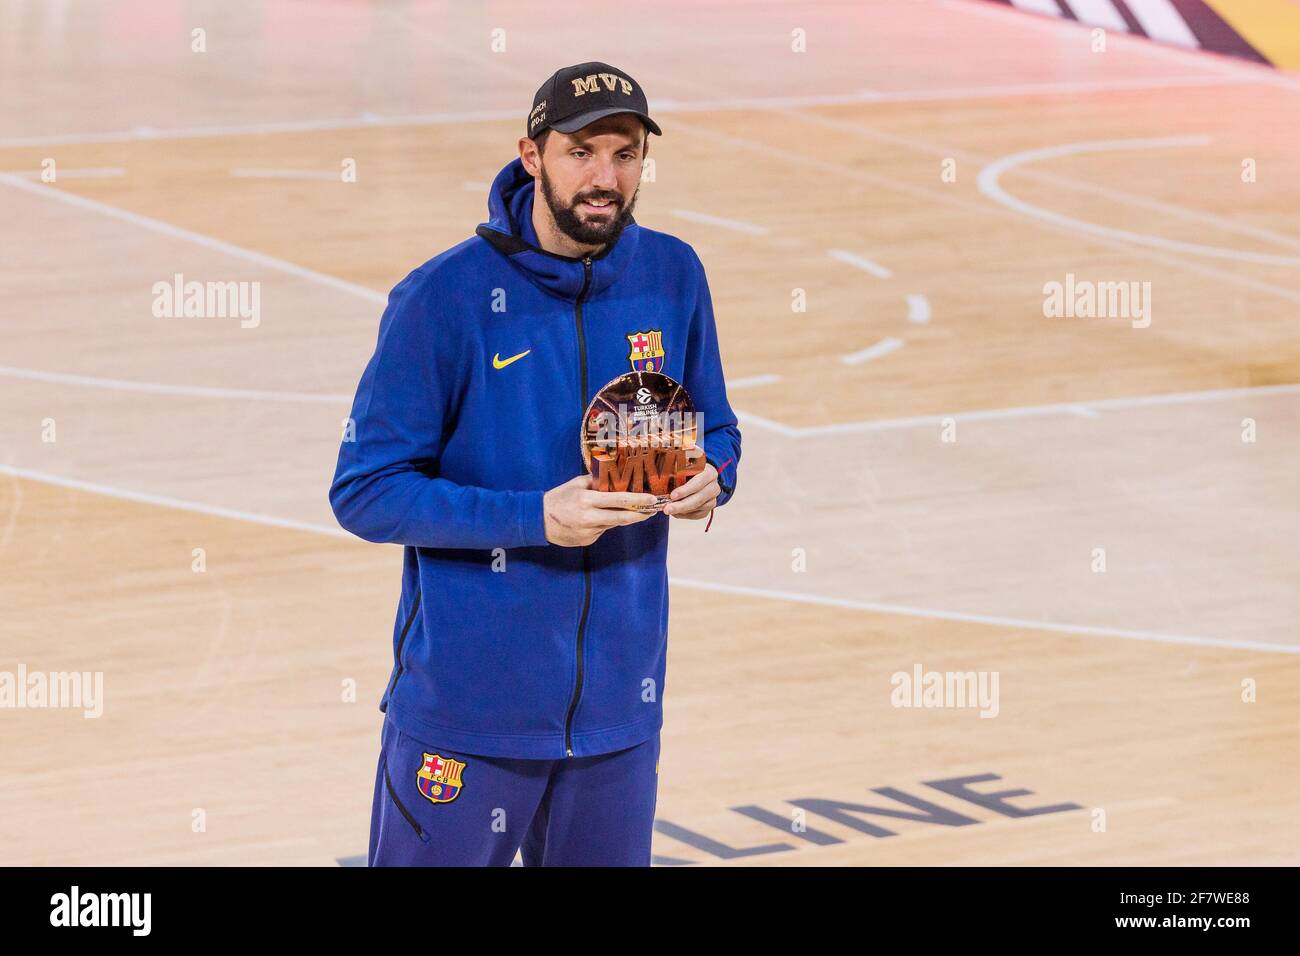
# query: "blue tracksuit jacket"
[[535, 650]]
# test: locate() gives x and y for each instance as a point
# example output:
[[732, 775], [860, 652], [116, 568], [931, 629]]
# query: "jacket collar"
[[510, 231]]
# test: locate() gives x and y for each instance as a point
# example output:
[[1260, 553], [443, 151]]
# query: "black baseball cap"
[[577, 96]]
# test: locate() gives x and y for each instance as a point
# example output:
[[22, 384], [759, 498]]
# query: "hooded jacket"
[[504, 644]]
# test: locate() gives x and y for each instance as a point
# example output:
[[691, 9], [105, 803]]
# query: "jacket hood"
[[510, 231]]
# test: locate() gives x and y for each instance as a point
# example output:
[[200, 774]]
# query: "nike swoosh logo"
[[499, 362]]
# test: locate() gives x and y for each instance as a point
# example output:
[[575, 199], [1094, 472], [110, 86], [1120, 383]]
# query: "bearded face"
[[590, 216]]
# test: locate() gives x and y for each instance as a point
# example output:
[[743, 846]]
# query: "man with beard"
[[524, 706]]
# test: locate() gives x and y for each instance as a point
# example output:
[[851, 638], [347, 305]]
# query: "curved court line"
[[871, 352], [198, 391], [872, 134], [988, 185], [770, 593], [860, 262], [848, 172]]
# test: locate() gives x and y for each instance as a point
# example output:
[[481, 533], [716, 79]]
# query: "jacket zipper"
[[401, 641], [586, 556]]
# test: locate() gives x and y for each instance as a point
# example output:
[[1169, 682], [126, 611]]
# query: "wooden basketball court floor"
[[1152, 707]]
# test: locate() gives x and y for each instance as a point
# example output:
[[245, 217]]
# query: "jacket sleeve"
[[704, 381], [386, 487]]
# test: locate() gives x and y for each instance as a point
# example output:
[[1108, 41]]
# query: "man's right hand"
[[577, 516]]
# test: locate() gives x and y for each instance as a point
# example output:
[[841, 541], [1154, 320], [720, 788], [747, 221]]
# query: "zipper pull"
[[568, 752]]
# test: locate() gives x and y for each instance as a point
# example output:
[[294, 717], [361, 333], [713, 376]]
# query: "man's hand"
[[577, 516], [696, 498]]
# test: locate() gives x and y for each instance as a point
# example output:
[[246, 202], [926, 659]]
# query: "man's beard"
[[588, 233]]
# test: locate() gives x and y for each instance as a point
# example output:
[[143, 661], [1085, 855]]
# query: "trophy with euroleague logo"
[[639, 434]]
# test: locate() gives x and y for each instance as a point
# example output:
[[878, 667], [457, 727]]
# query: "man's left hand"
[[697, 497]]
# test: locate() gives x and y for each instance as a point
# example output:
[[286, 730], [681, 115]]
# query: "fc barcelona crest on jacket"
[[647, 351], [439, 778]]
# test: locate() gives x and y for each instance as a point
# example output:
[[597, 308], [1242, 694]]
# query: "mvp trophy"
[[639, 434]]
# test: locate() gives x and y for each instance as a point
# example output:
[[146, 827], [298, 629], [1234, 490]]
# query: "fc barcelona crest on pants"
[[439, 778], [647, 351]]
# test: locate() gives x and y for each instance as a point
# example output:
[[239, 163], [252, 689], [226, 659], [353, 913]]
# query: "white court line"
[[769, 152], [198, 391], [202, 391], [338, 532], [769, 593], [872, 134], [860, 262], [767, 424], [1020, 623], [1182, 212], [764, 423], [753, 381], [12, 518], [1081, 409], [735, 225], [454, 117], [247, 173], [87, 172], [175, 232], [881, 348], [1050, 89], [176, 503], [989, 186], [918, 308], [280, 126]]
